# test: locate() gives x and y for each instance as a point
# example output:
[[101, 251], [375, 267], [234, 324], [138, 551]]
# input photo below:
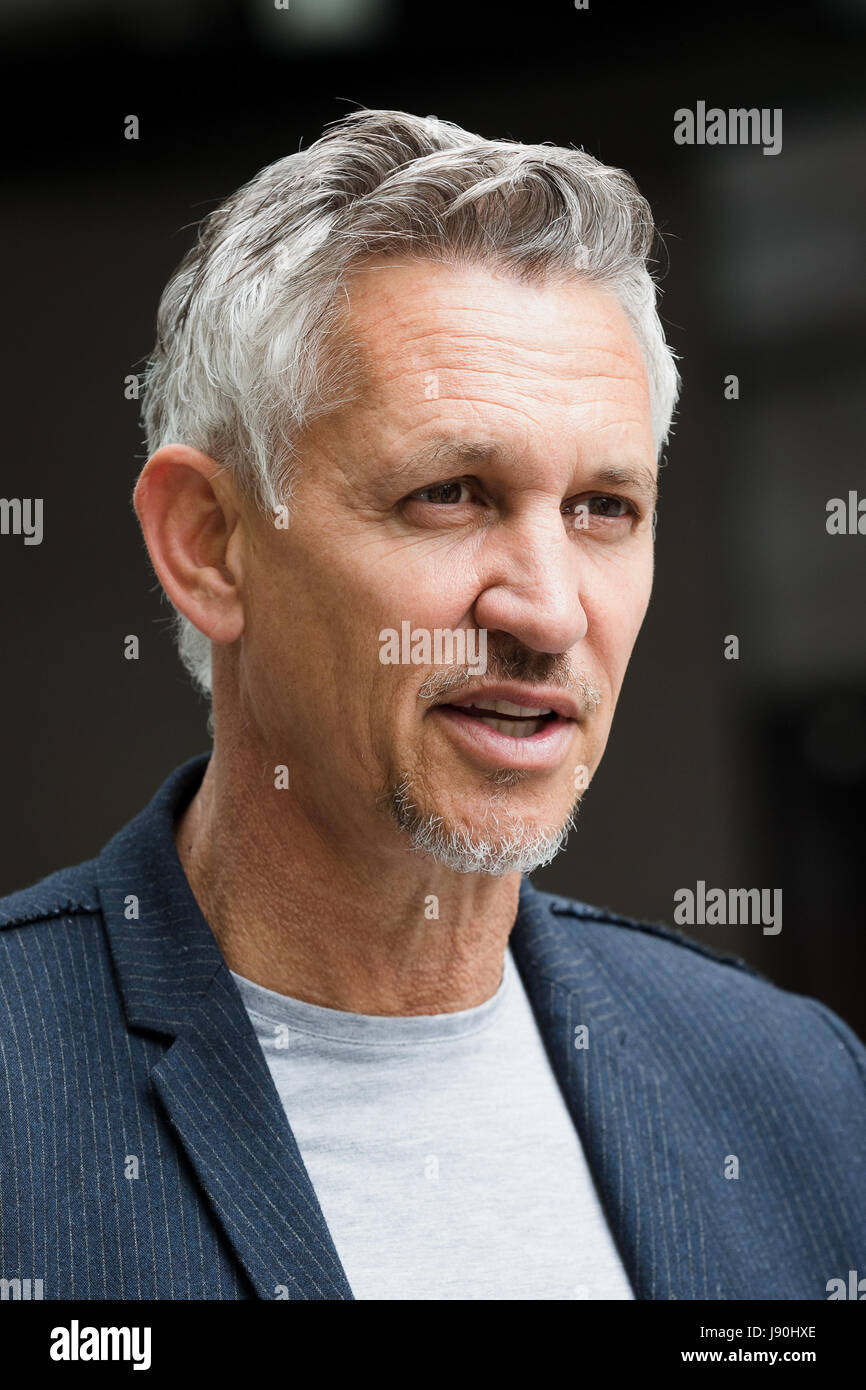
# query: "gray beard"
[[513, 848]]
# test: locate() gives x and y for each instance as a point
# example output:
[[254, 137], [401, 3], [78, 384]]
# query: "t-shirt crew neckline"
[[386, 1029]]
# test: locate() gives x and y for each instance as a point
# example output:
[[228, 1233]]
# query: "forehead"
[[414, 317], [544, 379]]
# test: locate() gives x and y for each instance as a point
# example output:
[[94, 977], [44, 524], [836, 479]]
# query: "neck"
[[345, 922]]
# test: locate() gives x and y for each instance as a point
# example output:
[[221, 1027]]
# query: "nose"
[[531, 583]]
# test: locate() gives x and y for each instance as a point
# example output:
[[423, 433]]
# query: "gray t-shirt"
[[441, 1150]]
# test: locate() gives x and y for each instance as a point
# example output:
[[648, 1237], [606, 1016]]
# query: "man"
[[304, 1029]]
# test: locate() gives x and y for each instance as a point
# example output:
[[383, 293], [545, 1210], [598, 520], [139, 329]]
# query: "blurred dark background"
[[745, 773]]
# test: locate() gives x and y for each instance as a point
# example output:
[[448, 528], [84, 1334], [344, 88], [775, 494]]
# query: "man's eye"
[[610, 506], [603, 505], [445, 493]]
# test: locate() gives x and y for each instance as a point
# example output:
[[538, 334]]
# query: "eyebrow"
[[635, 476]]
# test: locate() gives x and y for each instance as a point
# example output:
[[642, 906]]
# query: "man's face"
[[496, 473]]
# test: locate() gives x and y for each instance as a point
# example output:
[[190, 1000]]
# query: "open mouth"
[[515, 721]]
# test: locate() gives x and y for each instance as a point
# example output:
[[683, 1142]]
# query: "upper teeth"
[[506, 707]]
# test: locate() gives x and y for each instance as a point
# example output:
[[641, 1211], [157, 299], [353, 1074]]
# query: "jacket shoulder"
[[787, 1020], [67, 892], [605, 917]]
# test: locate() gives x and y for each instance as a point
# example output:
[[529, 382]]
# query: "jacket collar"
[[221, 1101]]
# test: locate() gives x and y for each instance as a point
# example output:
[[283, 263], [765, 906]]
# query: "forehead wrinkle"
[[514, 346], [418, 320], [568, 366], [463, 383]]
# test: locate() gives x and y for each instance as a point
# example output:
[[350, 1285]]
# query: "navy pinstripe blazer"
[[144, 1152]]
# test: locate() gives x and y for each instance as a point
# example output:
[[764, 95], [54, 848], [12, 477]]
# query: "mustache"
[[516, 664]]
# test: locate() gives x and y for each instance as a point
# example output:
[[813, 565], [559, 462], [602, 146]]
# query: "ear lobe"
[[188, 520]]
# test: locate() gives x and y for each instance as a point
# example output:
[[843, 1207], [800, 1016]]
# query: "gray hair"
[[248, 350]]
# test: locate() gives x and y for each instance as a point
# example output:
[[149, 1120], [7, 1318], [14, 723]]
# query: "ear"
[[190, 516]]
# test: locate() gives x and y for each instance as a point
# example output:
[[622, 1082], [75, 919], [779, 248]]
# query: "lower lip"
[[544, 749]]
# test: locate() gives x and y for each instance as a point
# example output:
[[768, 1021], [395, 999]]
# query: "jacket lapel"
[[655, 1165], [213, 1080]]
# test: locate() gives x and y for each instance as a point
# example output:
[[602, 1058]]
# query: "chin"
[[498, 840]]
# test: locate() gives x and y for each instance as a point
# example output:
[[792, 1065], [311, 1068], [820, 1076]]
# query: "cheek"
[[616, 616], [432, 587]]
